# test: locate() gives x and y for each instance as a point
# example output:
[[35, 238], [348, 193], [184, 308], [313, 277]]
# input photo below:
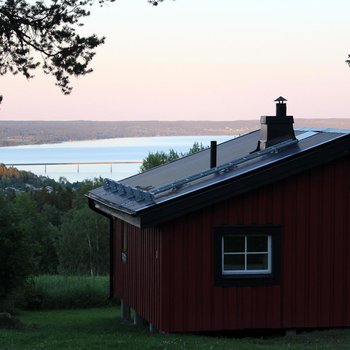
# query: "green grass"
[[100, 329], [56, 292]]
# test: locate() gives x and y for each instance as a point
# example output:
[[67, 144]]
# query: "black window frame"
[[249, 279]]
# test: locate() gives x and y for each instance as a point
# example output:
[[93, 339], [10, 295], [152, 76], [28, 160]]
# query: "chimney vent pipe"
[[213, 154], [281, 107]]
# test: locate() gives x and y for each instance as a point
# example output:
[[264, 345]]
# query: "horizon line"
[[159, 121]]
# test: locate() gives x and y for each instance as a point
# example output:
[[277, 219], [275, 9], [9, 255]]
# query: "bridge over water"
[[77, 164]]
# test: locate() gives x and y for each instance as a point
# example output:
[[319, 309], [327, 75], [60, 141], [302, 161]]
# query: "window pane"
[[234, 244], [257, 262], [234, 262], [257, 243]]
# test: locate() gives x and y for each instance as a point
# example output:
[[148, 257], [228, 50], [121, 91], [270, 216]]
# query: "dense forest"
[[64, 234], [46, 227]]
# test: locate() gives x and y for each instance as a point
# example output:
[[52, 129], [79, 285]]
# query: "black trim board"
[[111, 257]]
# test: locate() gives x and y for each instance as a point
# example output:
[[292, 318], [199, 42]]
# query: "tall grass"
[[57, 292]]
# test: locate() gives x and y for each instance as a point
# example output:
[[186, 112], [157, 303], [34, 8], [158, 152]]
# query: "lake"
[[108, 150]]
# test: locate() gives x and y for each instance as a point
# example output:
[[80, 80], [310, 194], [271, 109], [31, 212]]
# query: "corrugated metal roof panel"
[[187, 166]]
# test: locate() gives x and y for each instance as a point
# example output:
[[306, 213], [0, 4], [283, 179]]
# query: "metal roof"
[[189, 180]]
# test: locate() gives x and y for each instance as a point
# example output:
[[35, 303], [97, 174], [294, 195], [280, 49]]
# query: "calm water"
[[119, 149]]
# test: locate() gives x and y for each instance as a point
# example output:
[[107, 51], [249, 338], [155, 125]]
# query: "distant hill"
[[14, 133]]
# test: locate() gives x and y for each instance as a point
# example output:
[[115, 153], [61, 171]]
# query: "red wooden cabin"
[[259, 240]]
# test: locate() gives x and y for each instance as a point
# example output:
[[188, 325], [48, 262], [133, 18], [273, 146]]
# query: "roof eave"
[[107, 210]]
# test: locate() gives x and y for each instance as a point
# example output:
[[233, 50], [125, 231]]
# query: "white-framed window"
[[246, 254]]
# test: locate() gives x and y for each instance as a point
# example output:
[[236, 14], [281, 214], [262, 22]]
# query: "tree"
[[161, 157], [83, 245], [79, 199], [34, 34], [39, 231], [197, 147], [155, 2], [158, 158], [16, 258]]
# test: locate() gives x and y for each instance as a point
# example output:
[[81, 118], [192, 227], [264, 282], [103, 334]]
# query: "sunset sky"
[[201, 59]]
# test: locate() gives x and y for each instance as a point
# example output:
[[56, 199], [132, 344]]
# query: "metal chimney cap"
[[280, 99]]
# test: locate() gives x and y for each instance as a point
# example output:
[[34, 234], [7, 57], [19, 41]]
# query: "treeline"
[[38, 132], [50, 230]]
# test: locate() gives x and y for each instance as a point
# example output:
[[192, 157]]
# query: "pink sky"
[[201, 59]]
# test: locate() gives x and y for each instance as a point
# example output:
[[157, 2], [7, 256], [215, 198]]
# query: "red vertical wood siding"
[[176, 291], [138, 281]]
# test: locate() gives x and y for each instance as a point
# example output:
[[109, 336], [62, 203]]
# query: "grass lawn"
[[101, 329]]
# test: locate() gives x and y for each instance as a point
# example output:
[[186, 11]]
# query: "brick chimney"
[[276, 129]]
